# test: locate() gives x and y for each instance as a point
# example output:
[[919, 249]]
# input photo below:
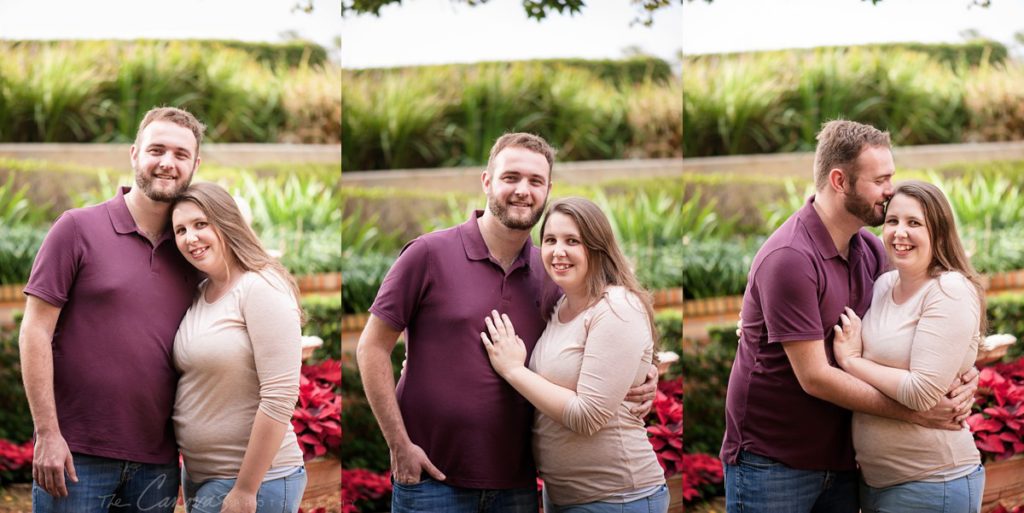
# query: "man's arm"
[[51, 456], [831, 384], [373, 354]]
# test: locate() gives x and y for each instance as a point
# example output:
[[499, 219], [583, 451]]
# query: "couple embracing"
[[828, 329], [519, 359], [156, 322]]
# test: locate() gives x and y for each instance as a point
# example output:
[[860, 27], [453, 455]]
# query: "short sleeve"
[[57, 263], [403, 286], [787, 287]]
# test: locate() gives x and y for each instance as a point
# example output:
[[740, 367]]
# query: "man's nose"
[[167, 161]]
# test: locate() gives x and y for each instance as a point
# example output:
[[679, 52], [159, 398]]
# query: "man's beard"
[[500, 210], [862, 209], [145, 182]]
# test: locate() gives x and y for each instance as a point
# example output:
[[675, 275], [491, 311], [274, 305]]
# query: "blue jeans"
[[281, 495], [762, 485], [112, 485], [656, 503], [957, 496], [432, 496]]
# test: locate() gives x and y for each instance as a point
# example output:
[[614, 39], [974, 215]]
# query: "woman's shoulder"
[[265, 281], [617, 296], [954, 282]]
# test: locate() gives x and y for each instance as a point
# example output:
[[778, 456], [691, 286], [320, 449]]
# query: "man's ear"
[[485, 180], [837, 179], [132, 151]]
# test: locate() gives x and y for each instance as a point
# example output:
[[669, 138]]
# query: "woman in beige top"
[[238, 352], [590, 450], [922, 330]]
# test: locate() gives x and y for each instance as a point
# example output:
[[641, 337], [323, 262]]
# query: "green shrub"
[[706, 376], [15, 417], [450, 115], [777, 101], [670, 331], [98, 91], [18, 247], [323, 319], [306, 252], [362, 275], [713, 268], [633, 70], [1006, 315], [362, 444], [658, 267]]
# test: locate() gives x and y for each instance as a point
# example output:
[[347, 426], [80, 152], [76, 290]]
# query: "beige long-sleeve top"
[[933, 335], [597, 449], [238, 355]]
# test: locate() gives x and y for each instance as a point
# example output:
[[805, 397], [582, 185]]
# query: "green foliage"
[[362, 444], [307, 252], [706, 375], [633, 70], [713, 268], [658, 267], [323, 319], [18, 247], [362, 275], [777, 101], [98, 91], [642, 219], [973, 53], [982, 201], [294, 202], [17, 208], [15, 417], [289, 53], [450, 115], [1006, 315]]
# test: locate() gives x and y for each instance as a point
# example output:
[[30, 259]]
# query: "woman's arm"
[[948, 324], [272, 320], [615, 345]]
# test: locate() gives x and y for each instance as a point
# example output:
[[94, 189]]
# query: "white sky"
[[734, 25], [247, 20], [440, 31]]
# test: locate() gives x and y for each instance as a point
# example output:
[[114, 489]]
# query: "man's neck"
[[150, 216], [503, 243], [840, 224]]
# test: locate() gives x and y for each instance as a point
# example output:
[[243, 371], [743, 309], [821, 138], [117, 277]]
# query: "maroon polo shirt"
[[469, 421], [797, 287], [121, 301]]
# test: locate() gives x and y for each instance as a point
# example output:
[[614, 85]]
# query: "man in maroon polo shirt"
[[459, 434], [106, 294], [788, 445]]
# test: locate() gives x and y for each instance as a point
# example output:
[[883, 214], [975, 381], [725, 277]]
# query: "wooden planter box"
[[1004, 483], [323, 483], [324, 282], [11, 293], [675, 493]]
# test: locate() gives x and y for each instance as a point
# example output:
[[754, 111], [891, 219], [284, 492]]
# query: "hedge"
[[633, 70]]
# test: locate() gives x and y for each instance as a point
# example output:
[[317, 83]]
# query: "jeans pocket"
[[747, 459]]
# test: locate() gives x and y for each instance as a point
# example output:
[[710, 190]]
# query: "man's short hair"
[[840, 142], [534, 143], [180, 117]]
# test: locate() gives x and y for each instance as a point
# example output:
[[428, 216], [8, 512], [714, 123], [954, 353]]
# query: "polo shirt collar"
[[121, 218], [476, 248], [817, 231]]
